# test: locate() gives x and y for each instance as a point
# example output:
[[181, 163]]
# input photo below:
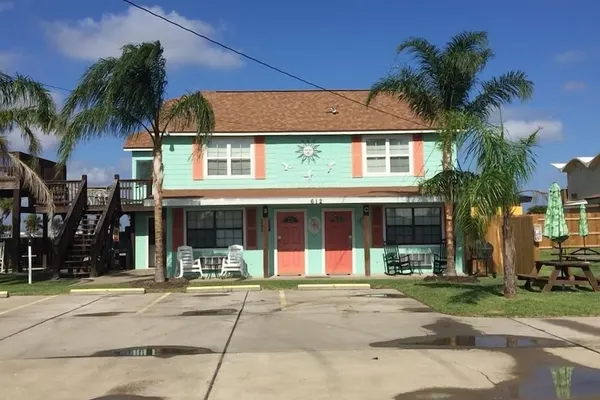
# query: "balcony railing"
[[135, 191], [63, 192]]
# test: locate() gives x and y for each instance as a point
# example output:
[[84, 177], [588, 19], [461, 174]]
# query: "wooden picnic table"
[[561, 275]]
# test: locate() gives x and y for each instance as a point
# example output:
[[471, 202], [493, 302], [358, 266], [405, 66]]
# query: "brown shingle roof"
[[299, 111]]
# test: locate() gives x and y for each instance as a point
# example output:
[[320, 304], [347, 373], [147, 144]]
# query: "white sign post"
[[30, 261]]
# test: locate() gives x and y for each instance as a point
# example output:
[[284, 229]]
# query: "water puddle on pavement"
[[478, 341], [383, 295], [416, 309], [543, 382], [154, 351], [103, 314], [215, 312]]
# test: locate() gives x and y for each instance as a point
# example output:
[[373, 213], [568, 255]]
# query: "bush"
[[537, 210]]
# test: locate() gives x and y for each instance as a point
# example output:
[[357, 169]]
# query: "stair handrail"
[[101, 233], [69, 226]]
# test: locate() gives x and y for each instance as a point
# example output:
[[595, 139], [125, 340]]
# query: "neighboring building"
[[583, 177], [308, 182]]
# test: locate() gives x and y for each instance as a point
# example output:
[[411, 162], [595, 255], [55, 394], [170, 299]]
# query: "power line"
[[267, 65], [56, 87]]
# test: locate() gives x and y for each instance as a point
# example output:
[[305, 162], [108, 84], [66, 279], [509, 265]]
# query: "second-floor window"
[[229, 157], [385, 156]]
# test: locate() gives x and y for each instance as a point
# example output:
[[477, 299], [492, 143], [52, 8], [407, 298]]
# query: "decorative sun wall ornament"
[[308, 151]]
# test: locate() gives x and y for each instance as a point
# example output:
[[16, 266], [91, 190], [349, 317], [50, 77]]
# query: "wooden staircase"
[[79, 255], [84, 244]]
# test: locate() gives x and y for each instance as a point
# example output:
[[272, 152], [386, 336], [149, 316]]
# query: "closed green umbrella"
[[583, 224], [555, 225]]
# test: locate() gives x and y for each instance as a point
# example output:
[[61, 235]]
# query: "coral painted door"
[[338, 242], [290, 243]]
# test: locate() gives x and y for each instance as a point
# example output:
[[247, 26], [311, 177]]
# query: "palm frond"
[[499, 91], [193, 109], [411, 87], [31, 181], [116, 97], [426, 55]]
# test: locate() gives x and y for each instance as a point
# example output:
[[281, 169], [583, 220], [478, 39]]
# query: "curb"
[[109, 291], [231, 288], [334, 286], [4, 295]]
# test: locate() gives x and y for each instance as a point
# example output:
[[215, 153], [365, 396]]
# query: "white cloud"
[[98, 176], [520, 122], [6, 5], [48, 142], [574, 86], [548, 129], [89, 39], [569, 57], [17, 143], [8, 60]]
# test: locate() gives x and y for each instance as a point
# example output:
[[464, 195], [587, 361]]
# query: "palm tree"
[[126, 95], [503, 167], [446, 81], [33, 223], [25, 105]]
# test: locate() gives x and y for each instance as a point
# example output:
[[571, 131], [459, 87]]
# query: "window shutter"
[[357, 156], [418, 158], [177, 232], [197, 163], [251, 228], [259, 157], [377, 226]]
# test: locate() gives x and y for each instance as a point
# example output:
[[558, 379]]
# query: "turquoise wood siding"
[[315, 254], [141, 240], [177, 157]]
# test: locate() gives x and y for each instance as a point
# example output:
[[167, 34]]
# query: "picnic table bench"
[[560, 276]]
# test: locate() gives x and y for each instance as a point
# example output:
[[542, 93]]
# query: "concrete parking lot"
[[285, 345]]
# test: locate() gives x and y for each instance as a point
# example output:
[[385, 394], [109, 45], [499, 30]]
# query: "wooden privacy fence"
[[525, 249], [572, 217]]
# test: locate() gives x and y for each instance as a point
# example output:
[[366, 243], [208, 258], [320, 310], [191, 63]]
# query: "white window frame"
[[387, 156], [229, 141]]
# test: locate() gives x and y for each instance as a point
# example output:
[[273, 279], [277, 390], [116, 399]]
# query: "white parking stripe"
[[27, 305]]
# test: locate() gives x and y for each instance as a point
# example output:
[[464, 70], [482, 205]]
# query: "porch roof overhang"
[[295, 196]]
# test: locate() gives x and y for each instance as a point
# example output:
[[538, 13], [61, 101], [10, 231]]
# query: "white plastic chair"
[[2, 269], [186, 262], [234, 262]]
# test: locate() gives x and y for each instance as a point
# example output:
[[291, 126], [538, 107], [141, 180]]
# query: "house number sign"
[[316, 201]]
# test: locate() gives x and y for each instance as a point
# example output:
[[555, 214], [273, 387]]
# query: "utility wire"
[[57, 87], [267, 65]]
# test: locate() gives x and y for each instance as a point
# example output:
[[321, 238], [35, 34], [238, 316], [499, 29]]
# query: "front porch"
[[305, 237]]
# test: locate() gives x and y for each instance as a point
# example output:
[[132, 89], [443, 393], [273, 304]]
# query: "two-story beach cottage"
[[308, 182]]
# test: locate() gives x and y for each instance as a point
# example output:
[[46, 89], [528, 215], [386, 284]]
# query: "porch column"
[[367, 238], [265, 240], [46, 244], [16, 230]]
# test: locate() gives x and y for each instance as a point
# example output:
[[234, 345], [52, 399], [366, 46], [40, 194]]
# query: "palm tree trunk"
[[508, 255], [157, 192], [449, 213]]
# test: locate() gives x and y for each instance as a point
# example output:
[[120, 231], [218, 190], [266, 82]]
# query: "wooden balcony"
[[46, 169], [133, 192]]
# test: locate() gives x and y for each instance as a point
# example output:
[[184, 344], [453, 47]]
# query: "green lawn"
[[483, 299], [16, 284]]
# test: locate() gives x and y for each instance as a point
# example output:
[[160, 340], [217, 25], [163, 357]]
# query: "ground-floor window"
[[214, 229], [413, 225]]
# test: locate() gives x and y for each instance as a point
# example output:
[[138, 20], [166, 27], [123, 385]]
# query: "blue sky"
[[335, 43]]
